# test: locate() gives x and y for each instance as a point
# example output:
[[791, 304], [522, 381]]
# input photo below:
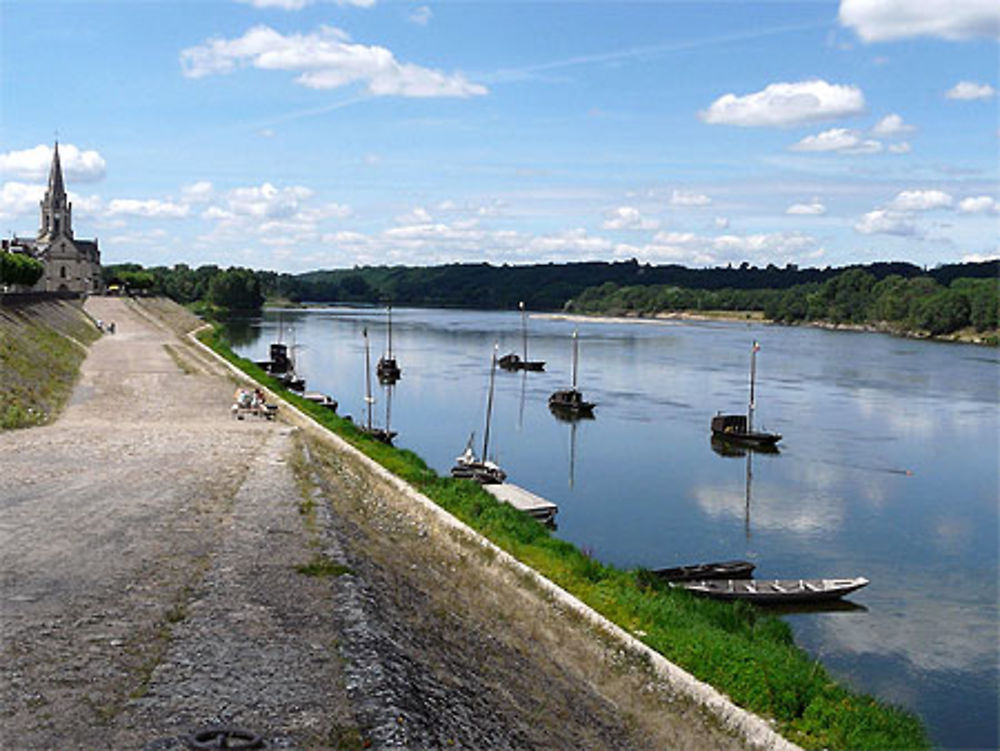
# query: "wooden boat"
[[774, 591], [703, 571], [383, 435], [388, 369], [468, 465], [739, 428], [322, 400], [513, 361], [570, 401]]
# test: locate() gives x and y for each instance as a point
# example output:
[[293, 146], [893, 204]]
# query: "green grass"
[[742, 651], [39, 360]]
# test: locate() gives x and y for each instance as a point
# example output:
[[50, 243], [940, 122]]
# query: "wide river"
[[888, 467]]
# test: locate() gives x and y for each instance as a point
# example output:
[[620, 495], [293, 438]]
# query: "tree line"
[[899, 295], [19, 269], [855, 296]]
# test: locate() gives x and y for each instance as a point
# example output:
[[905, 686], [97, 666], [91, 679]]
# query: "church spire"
[[57, 188]]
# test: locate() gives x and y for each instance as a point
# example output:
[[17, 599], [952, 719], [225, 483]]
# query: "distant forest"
[[939, 301]]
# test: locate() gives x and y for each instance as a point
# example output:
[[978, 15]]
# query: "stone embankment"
[[166, 567]]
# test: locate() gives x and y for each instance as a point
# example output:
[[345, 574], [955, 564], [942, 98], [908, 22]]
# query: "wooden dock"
[[524, 500]]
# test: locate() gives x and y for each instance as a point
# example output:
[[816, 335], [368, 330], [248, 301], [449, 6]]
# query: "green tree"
[[235, 289], [18, 268]]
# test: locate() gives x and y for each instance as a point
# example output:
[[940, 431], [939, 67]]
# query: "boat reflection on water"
[[725, 448], [808, 608]]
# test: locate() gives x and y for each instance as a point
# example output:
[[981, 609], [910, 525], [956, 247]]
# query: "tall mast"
[[489, 401], [753, 377], [368, 380], [389, 316], [524, 330], [576, 357]]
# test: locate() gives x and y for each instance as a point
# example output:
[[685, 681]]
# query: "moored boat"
[[739, 428], [468, 465], [383, 435], [513, 361], [388, 370], [702, 571], [774, 591], [570, 402]]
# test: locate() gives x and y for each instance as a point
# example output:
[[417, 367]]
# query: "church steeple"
[[56, 209]]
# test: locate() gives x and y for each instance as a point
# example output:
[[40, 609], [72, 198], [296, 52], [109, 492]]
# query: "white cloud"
[[421, 16], [979, 205], [198, 192], [721, 222], [920, 200], [689, 198], [967, 90], [903, 147], [885, 222], [34, 164], [786, 104], [884, 20], [838, 140], [700, 250], [891, 125], [151, 209], [416, 216], [325, 59], [629, 217], [814, 208], [267, 200], [18, 199]]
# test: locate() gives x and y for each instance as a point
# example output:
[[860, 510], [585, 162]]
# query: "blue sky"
[[303, 134]]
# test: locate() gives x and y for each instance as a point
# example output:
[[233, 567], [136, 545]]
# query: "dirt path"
[[150, 584]]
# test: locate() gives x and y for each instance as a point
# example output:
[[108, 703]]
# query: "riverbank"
[[965, 336], [167, 567]]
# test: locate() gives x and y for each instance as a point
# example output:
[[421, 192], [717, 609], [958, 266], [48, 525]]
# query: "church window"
[[62, 272]]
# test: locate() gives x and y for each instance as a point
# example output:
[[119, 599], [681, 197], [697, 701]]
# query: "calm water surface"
[[888, 468]]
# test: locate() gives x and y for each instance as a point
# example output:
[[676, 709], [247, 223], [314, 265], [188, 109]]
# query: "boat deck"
[[524, 500]]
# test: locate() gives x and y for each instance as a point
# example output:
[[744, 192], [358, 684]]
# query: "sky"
[[295, 135]]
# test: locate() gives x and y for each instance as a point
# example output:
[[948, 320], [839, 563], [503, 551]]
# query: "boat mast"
[[753, 377], [369, 400], [576, 357], [489, 401], [524, 330], [389, 315]]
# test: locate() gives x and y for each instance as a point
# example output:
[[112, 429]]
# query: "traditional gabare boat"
[[701, 571], [739, 428], [387, 369], [383, 435], [468, 465], [513, 361], [569, 402], [774, 591]]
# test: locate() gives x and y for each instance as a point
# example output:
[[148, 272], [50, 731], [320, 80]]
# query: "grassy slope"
[[41, 348], [740, 650]]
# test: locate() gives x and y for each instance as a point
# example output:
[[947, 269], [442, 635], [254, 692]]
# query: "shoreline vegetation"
[[742, 651], [955, 302]]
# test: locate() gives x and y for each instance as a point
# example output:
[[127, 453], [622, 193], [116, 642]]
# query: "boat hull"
[[774, 591], [704, 571]]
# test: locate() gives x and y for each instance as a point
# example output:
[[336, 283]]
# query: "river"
[[888, 467]]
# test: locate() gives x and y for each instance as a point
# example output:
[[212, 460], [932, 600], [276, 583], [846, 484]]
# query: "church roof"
[[56, 186]]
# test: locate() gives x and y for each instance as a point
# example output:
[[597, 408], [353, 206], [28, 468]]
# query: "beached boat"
[[321, 399], [468, 465], [774, 591], [570, 402], [739, 428], [513, 361], [703, 571], [383, 435], [388, 369]]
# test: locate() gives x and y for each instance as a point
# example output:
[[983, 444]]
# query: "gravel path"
[[152, 583]]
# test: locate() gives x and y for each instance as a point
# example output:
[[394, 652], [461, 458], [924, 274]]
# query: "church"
[[71, 265]]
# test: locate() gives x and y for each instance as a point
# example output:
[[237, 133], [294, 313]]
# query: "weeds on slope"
[[742, 651]]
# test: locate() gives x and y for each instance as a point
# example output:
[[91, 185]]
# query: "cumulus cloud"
[[33, 164], [18, 199], [689, 198], [325, 59], [198, 192], [786, 104], [696, 249], [417, 215], [838, 140], [149, 209], [629, 217], [300, 4], [813, 208], [967, 90], [891, 125], [920, 200], [903, 147], [886, 222], [885, 20], [979, 205]]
